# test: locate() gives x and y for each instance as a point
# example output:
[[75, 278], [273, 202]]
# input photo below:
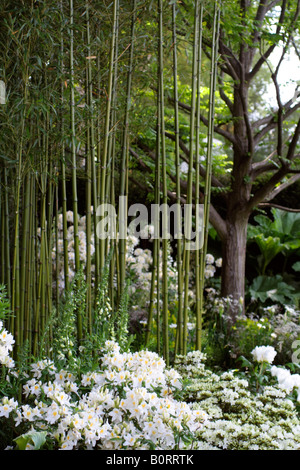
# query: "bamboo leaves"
[[73, 121]]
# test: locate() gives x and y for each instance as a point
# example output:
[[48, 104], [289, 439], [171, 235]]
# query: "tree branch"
[[271, 120], [282, 187], [216, 220], [262, 193], [269, 51], [277, 206]]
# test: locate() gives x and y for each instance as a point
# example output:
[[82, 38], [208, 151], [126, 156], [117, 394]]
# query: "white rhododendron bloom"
[[209, 259], [6, 345], [209, 271], [264, 354], [286, 380]]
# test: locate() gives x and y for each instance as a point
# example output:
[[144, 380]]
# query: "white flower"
[[69, 216], [184, 167], [209, 271], [264, 354], [209, 259]]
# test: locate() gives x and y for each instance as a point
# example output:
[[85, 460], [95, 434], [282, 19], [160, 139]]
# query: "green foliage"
[[247, 333], [32, 440], [296, 266], [284, 228], [274, 236], [272, 289], [5, 311], [269, 248], [65, 341]]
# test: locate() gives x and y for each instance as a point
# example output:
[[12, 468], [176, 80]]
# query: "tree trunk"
[[234, 259]]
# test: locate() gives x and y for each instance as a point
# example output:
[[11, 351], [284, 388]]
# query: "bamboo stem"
[[207, 193], [179, 331], [124, 157], [191, 164], [74, 164], [197, 195], [102, 189]]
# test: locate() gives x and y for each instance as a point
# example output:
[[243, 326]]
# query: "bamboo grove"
[[74, 72]]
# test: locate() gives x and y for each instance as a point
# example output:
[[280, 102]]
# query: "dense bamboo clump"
[[75, 75]]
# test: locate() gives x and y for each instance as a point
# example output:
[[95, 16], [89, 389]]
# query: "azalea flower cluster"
[[128, 403], [287, 381], [6, 345], [239, 419], [211, 265]]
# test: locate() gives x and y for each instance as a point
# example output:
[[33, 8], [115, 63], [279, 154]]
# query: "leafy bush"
[[128, 402]]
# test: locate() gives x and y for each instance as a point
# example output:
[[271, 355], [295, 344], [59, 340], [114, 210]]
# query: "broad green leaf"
[[269, 248], [296, 266], [35, 438], [286, 223], [273, 288]]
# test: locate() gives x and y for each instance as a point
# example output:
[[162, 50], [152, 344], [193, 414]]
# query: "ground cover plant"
[[103, 396], [149, 224]]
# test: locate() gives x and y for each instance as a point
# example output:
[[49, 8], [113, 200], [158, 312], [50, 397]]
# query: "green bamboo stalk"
[[179, 331], [164, 189], [124, 157], [49, 213], [102, 189], [155, 279], [40, 303], [191, 162], [57, 256], [197, 190], [24, 253], [7, 237], [110, 174], [99, 153], [92, 146], [15, 296], [155, 275], [91, 175], [207, 191], [34, 257], [63, 162], [88, 272], [29, 280], [74, 164]]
